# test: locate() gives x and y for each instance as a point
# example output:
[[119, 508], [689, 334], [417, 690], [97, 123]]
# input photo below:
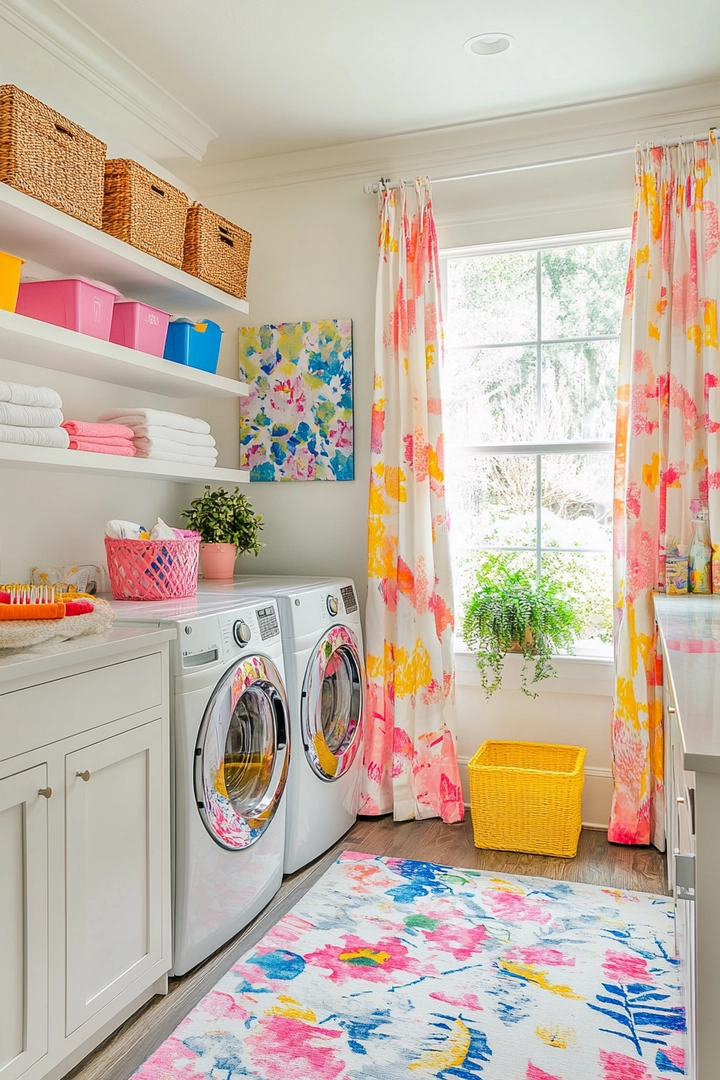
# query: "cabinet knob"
[[46, 792], [84, 775], [670, 709], [681, 799]]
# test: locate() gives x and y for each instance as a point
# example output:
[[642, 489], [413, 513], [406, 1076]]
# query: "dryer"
[[322, 639], [230, 743]]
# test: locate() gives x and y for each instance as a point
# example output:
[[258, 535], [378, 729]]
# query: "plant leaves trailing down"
[[223, 517], [517, 613]]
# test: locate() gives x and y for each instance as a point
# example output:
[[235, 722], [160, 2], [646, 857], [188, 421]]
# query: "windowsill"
[[578, 674]]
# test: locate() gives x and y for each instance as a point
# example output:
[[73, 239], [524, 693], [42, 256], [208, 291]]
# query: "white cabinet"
[[113, 800], [23, 926], [85, 936]]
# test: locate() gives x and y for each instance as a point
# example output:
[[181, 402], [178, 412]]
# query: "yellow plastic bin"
[[10, 267], [527, 797]]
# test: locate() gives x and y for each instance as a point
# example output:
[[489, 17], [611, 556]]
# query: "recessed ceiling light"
[[488, 44]]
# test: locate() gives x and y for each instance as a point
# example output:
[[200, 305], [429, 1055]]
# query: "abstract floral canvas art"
[[297, 422]]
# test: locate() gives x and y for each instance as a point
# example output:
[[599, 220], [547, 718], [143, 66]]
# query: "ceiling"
[[272, 76]]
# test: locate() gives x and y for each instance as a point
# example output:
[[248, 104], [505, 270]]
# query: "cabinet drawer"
[[43, 714]]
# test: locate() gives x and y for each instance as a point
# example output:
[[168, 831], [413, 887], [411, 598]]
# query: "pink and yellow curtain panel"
[[410, 766], [667, 452]]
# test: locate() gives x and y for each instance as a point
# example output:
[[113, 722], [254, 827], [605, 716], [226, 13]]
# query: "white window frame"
[[536, 449]]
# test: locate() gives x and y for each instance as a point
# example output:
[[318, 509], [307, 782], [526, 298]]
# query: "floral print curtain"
[[410, 765], [666, 445]]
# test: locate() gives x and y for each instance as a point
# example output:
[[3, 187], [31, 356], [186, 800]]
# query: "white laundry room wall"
[[57, 518], [314, 256]]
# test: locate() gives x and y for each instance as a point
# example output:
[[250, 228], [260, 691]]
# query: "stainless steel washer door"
[[332, 704], [242, 753]]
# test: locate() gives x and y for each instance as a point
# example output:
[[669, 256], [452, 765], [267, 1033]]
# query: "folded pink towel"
[[104, 446], [82, 440], [98, 431]]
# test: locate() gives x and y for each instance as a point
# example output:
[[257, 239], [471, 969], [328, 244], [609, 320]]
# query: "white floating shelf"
[[41, 344], [37, 232], [40, 457]]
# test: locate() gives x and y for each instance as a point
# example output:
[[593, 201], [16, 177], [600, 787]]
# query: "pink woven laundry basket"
[[152, 569]]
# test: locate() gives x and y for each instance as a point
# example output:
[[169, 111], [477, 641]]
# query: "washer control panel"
[[268, 622]]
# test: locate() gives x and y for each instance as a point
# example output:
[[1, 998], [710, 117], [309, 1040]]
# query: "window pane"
[[489, 395], [577, 499], [586, 581], [579, 385], [583, 289], [492, 500], [491, 298]]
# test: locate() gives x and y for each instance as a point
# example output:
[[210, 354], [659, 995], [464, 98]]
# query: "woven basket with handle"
[[216, 250], [144, 210], [49, 157]]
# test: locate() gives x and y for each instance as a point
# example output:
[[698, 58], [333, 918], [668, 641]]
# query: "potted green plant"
[[512, 613], [228, 526]]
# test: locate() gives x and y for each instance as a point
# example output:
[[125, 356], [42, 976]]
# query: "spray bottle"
[[700, 553]]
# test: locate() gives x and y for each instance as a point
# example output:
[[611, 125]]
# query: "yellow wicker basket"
[[527, 797]]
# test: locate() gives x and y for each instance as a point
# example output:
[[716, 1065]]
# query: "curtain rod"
[[372, 188]]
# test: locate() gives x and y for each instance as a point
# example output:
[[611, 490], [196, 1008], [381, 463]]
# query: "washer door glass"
[[242, 753], [332, 704]]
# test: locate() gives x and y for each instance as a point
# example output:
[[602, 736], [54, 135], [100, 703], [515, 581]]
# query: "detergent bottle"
[[700, 553]]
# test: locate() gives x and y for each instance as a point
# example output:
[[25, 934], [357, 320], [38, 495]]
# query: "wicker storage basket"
[[217, 251], [527, 797], [49, 157], [152, 569], [144, 210]]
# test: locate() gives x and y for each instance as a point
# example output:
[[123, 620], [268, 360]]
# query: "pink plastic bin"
[[71, 302], [137, 326]]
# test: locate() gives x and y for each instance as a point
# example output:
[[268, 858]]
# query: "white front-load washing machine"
[[230, 744], [322, 639]]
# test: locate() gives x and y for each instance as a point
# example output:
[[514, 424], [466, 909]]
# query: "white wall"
[[314, 256], [56, 518]]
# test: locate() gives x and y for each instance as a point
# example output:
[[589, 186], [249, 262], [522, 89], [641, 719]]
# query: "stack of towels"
[[166, 436], [31, 415], [100, 438]]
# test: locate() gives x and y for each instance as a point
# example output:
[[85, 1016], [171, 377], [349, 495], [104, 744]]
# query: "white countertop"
[[690, 632], [53, 656]]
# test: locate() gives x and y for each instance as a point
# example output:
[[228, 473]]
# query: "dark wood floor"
[[597, 863]]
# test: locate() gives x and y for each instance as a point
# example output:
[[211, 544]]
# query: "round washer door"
[[242, 753], [332, 704]]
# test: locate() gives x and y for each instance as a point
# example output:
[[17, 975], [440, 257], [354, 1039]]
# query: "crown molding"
[[520, 139], [45, 37]]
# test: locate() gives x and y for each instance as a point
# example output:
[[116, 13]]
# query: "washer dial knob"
[[242, 632], [333, 605]]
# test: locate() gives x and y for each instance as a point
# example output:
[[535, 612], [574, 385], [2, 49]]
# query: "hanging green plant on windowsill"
[[517, 615]]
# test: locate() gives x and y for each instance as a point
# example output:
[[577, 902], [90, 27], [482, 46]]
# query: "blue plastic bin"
[[194, 344]]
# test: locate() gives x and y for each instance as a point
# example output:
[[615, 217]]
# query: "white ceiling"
[[279, 75]]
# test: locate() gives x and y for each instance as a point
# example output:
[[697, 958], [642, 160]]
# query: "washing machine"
[[322, 639], [230, 755]]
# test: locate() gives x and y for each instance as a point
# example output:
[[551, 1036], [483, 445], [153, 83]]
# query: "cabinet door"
[[23, 920], [114, 840], [687, 947]]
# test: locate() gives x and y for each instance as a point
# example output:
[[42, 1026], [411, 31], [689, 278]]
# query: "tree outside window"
[[529, 387]]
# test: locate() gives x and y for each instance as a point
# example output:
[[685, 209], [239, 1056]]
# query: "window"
[[529, 386]]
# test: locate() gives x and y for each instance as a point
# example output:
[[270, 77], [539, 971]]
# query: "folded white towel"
[[147, 448], [187, 438], [20, 394], [186, 459], [138, 417], [29, 415], [35, 436]]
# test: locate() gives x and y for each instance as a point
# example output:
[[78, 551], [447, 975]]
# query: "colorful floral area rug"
[[391, 968]]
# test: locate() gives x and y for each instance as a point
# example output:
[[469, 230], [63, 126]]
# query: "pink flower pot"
[[217, 560]]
